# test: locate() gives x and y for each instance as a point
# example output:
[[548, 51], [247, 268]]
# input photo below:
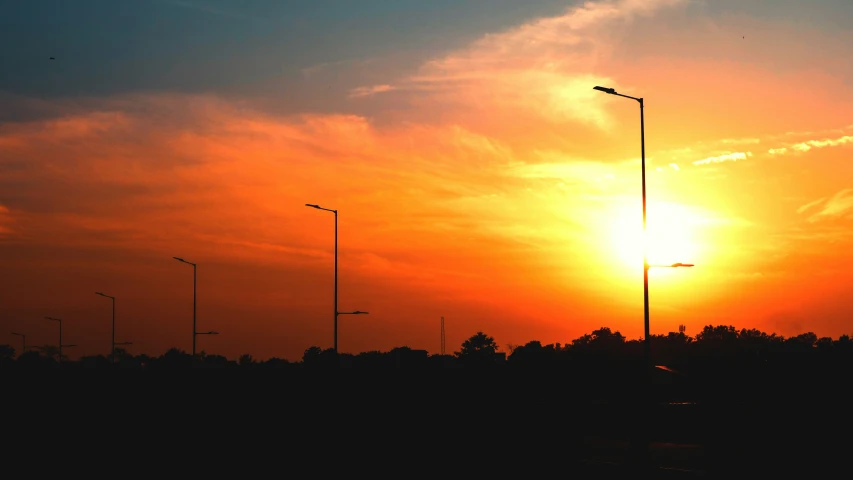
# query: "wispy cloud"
[[726, 157], [371, 90], [809, 205], [545, 66], [836, 206], [802, 147]]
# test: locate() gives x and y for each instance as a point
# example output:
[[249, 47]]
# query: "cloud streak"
[[802, 147], [545, 66], [836, 206], [726, 157], [371, 90]]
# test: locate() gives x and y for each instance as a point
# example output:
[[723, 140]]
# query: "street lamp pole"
[[113, 343], [647, 344], [60, 335], [336, 269], [194, 298], [24, 339]]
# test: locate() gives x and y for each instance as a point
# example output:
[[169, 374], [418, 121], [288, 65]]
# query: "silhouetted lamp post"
[[113, 342], [24, 339], [336, 268], [647, 342], [194, 299], [60, 334]]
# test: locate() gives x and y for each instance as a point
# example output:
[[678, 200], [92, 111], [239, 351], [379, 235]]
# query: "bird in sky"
[[52, 58]]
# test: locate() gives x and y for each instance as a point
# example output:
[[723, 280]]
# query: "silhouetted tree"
[[533, 354], [477, 350], [316, 357]]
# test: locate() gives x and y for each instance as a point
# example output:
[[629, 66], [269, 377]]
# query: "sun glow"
[[668, 235]]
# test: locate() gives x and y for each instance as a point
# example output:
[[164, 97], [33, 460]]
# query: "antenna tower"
[[442, 335]]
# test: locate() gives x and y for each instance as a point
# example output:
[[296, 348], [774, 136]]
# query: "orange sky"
[[490, 185]]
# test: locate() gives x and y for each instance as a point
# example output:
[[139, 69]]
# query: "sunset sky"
[[478, 175]]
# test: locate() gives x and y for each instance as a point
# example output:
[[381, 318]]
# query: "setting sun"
[[669, 235]]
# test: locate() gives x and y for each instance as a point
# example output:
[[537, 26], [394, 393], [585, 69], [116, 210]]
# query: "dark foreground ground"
[[409, 426]]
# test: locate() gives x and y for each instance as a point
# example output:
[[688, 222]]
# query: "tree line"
[[714, 348]]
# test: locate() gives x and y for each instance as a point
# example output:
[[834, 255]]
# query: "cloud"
[[674, 166], [837, 206], [726, 157], [809, 205], [371, 90], [806, 146], [545, 66], [802, 147], [142, 172]]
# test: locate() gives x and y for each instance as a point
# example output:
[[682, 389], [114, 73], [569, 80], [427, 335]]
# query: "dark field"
[[408, 425]]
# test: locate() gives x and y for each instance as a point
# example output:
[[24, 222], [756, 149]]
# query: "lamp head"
[[312, 205], [179, 259], [611, 91], [18, 334]]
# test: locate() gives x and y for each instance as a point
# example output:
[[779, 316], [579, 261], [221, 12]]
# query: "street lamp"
[[24, 339], [646, 265], [336, 268], [194, 297], [113, 343], [60, 334]]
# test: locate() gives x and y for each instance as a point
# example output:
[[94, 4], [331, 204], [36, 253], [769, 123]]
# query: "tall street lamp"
[[336, 268], [24, 339], [60, 334], [113, 342], [647, 342], [194, 297]]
